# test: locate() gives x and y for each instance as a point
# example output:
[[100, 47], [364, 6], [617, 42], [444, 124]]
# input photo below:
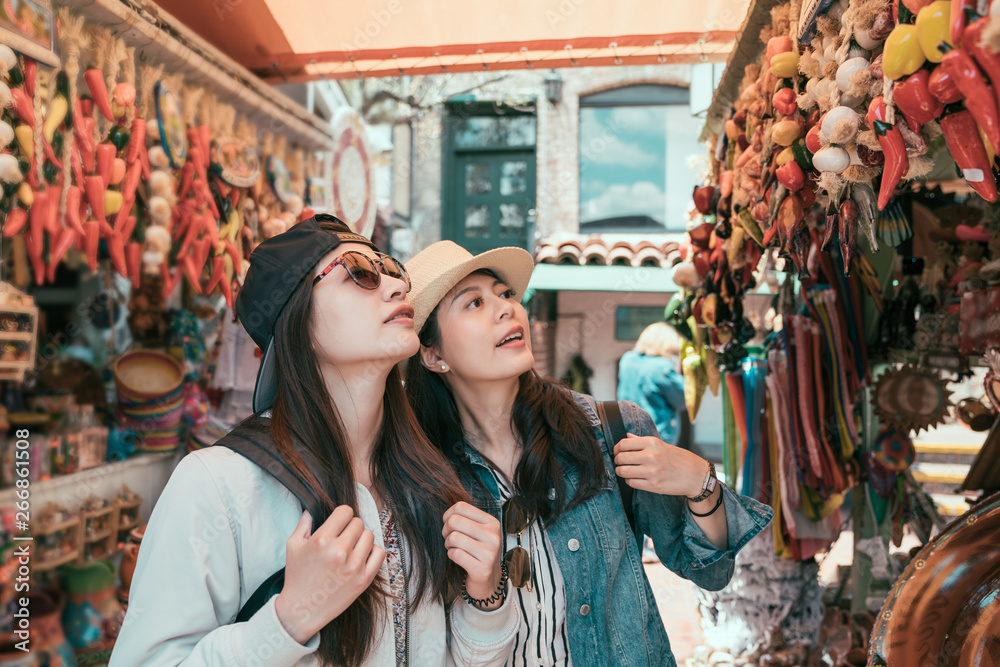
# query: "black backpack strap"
[[267, 590], [614, 431], [252, 440]]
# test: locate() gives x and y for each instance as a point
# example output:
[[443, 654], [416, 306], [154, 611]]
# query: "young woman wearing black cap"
[[366, 582], [540, 451]]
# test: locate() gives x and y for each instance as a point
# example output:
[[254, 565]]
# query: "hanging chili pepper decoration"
[[985, 58], [979, 99], [962, 136], [891, 141], [960, 10]]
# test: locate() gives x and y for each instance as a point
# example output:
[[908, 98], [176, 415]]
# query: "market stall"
[[139, 168], [852, 169]]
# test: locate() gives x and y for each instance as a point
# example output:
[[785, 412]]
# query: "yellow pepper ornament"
[[933, 27], [902, 53]]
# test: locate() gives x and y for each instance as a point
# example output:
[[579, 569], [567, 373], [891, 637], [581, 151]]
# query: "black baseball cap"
[[277, 266]]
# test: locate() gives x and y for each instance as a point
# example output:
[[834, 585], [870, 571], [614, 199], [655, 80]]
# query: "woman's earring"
[[444, 367]]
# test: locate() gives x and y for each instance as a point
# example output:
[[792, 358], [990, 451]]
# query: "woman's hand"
[[649, 464], [473, 539], [325, 572]]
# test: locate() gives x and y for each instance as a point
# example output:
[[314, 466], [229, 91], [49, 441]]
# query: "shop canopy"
[[302, 40], [568, 277]]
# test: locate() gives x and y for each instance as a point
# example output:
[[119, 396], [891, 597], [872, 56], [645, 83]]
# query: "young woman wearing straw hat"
[[537, 450], [364, 578]]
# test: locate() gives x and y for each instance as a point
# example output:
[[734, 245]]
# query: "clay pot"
[[974, 414], [48, 641], [14, 657], [127, 567], [93, 616]]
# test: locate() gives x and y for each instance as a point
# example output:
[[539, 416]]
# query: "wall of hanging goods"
[[139, 167], [852, 167]]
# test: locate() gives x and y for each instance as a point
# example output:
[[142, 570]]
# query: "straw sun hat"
[[436, 269]]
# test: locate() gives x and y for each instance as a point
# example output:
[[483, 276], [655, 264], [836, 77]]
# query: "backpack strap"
[[252, 440], [614, 431]]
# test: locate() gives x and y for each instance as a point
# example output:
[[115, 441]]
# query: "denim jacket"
[[611, 616]]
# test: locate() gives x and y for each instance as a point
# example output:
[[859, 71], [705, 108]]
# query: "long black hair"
[[406, 469], [553, 430]]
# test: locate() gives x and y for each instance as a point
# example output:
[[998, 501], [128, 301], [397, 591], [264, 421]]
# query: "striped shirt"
[[542, 638]]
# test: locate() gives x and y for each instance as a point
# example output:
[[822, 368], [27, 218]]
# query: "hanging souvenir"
[[235, 162], [317, 194], [992, 381], [894, 450], [280, 180], [170, 118], [353, 177], [911, 399]]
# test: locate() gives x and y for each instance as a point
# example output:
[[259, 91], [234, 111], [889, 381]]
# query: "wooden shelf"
[[16, 335], [67, 484], [48, 565], [127, 526], [97, 537], [48, 529]]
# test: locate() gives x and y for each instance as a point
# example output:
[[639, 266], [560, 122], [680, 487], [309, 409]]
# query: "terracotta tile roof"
[[594, 250]]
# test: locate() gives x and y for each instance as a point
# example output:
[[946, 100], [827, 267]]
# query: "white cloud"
[[620, 143], [645, 120], [642, 198]]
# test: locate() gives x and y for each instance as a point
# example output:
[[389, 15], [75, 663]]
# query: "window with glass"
[[489, 180], [636, 147]]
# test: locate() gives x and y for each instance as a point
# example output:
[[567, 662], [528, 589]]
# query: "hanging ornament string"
[[100, 42], [71, 40], [128, 76], [114, 66], [39, 156], [150, 75]]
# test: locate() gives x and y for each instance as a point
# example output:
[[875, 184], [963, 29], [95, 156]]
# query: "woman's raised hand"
[[649, 464], [473, 539], [325, 571]]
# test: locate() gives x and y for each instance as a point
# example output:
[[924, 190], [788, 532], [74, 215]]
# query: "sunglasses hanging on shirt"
[[515, 520]]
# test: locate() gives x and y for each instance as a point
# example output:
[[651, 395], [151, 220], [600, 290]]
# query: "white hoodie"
[[217, 532]]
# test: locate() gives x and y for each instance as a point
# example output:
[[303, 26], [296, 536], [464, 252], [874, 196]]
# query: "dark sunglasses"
[[515, 519], [365, 271]]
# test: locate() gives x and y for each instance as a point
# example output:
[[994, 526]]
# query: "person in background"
[[649, 376]]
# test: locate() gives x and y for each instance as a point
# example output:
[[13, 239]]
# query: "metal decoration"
[[911, 399], [943, 609]]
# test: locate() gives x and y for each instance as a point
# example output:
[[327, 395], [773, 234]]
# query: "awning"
[[570, 277], [300, 40]]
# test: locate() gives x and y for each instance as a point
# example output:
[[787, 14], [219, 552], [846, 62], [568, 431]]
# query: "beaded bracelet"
[[500, 594]]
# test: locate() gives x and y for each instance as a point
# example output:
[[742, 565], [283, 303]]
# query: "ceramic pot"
[[14, 657], [48, 641], [93, 616], [127, 567]]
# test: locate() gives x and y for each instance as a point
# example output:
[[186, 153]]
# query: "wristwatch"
[[710, 481]]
